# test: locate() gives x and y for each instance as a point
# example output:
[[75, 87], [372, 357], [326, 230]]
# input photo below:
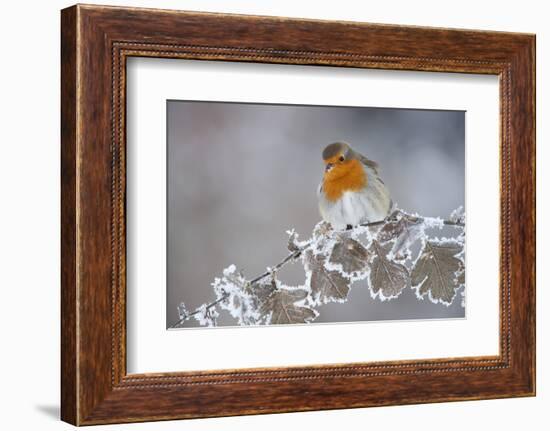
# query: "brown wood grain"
[[96, 41], [68, 217]]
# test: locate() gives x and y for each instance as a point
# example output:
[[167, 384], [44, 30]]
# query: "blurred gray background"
[[240, 175]]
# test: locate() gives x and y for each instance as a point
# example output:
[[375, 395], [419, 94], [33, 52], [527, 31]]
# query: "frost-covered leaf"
[[460, 274], [236, 296], [403, 231], [458, 215], [260, 291], [461, 280], [387, 279], [322, 229], [281, 307], [263, 288], [326, 285], [206, 316], [293, 243], [350, 254], [435, 271], [461, 277]]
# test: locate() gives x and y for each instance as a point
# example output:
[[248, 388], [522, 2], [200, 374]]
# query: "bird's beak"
[[328, 166]]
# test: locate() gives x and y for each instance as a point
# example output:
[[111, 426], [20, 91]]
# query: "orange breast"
[[348, 176]]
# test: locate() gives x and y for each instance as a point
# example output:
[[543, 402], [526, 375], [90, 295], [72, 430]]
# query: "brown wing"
[[367, 162]]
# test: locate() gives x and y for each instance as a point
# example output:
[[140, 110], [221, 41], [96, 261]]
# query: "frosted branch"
[[378, 255]]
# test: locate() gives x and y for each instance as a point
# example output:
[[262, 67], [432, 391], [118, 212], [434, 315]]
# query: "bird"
[[351, 192]]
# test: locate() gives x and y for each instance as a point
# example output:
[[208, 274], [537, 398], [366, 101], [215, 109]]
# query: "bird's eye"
[[341, 158]]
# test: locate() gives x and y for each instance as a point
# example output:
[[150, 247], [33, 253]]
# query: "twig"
[[453, 223], [290, 257], [375, 223], [198, 310]]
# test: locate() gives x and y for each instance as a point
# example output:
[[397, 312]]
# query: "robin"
[[351, 192]]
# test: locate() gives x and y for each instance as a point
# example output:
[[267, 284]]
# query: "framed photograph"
[[263, 214]]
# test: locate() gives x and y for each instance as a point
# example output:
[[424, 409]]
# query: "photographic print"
[[245, 212], [295, 214]]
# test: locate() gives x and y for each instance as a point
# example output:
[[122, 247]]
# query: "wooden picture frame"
[[95, 43]]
